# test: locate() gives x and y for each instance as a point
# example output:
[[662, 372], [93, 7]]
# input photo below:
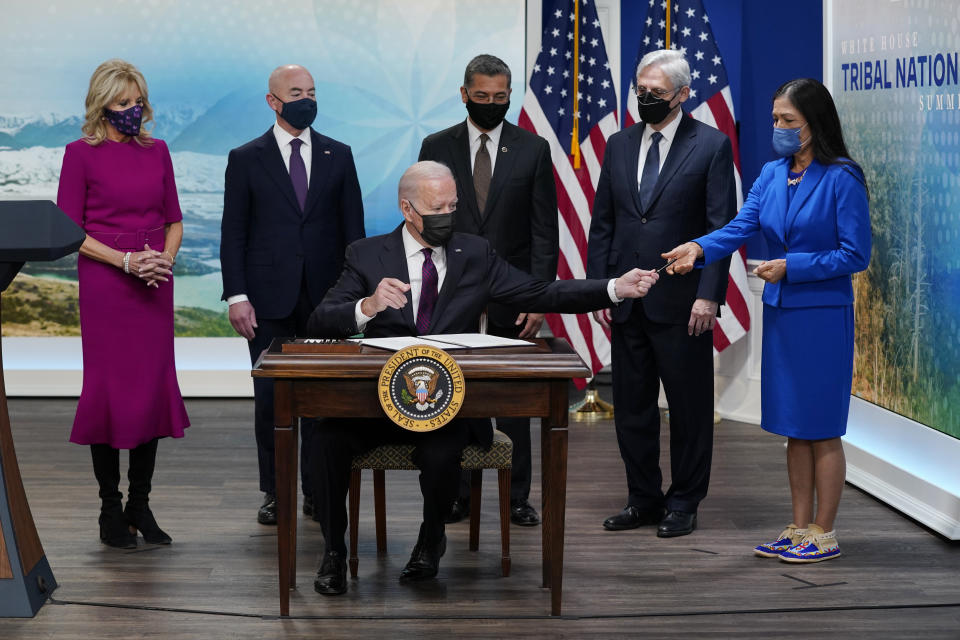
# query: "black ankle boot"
[[141, 519], [114, 530], [140, 474]]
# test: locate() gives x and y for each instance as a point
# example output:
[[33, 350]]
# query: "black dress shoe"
[[459, 511], [332, 576], [631, 518], [677, 523], [308, 506], [268, 510], [141, 519], [523, 514], [114, 529], [424, 561]]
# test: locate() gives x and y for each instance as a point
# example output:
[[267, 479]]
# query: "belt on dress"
[[131, 240]]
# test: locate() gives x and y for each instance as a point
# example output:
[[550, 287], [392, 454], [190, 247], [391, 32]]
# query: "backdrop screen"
[[387, 74], [893, 70]]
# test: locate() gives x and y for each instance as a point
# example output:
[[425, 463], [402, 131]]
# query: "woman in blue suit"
[[811, 208]]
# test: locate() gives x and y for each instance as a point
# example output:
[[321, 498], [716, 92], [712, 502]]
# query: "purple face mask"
[[127, 121]]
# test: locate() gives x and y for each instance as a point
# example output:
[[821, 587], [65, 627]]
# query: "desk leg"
[[558, 512], [546, 503], [553, 438], [285, 446]]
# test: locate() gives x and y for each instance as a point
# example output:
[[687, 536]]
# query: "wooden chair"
[[475, 460]]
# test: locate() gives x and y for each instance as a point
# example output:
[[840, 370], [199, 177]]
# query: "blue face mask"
[[786, 142]]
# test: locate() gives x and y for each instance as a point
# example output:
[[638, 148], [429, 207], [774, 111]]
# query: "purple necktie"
[[298, 172], [428, 292]]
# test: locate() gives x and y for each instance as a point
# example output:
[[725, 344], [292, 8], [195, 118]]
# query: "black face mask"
[[299, 113], [487, 115], [437, 227], [654, 110]]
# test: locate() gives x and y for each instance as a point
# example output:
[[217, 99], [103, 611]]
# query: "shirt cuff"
[[612, 291], [361, 318], [240, 297]]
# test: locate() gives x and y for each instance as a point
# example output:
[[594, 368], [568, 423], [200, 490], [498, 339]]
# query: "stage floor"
[[219, 578]]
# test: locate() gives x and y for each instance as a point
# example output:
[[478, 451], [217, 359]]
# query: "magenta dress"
[[123, 194]]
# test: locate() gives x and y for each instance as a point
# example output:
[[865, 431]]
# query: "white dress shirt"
[[283, 141], [492, 144], [413, 250], [669, 132]]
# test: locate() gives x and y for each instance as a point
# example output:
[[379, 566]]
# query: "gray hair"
[[487, 65], [671, 62], [419, 172]]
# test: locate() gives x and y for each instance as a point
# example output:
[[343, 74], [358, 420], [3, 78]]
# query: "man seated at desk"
[[447, 278]]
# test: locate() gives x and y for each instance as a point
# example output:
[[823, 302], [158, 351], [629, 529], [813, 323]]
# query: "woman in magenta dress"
[[117, 183]]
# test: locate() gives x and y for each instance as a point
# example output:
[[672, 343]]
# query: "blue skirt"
[[807, 371]]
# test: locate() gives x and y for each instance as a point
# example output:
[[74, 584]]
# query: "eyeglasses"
[[643, 92], [486, 98]]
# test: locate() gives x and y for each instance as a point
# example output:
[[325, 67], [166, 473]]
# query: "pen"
[[665, 266]]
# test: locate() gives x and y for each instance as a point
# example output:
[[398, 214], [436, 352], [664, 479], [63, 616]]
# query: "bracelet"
[[126, 262]]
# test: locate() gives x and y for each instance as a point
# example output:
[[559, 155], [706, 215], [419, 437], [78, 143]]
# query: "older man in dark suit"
[[448, 279], [291, 205], [663, 181], [507, 195]]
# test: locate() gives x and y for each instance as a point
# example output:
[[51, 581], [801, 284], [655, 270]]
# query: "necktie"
[[428, 292], [298, 172], [651, 170], [481, 173]]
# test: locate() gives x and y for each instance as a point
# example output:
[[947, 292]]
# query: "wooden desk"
[[508, 382]]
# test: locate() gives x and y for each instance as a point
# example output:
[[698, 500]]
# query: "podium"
[[29, 230]]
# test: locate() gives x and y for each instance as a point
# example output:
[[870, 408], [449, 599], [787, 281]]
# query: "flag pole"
[[668, 25], [575, 135]]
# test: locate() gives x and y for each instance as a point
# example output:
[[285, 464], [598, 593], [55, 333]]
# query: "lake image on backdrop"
[[207, 73]]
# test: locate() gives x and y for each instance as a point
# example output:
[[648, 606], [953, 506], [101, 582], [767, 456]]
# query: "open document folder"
[[445, 341]]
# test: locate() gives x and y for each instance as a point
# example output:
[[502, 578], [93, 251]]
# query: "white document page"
[[402, 342], [478, 340]]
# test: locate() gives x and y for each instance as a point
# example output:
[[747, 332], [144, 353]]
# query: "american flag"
[[571, 89], [710, 102]]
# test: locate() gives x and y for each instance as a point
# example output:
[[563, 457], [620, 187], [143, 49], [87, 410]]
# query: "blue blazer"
[[824, 232], [267, 244]]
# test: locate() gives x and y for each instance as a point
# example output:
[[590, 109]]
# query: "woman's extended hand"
[[685, 255]]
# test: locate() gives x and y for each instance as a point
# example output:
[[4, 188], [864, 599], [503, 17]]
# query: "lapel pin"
[[326, 151], [503, 149], [457, 250]]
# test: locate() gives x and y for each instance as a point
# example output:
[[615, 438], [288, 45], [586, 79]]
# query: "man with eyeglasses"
[[507, 195], [291, 205], [668, 178]]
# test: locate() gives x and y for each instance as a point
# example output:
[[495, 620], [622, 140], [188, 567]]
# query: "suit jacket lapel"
[[321, 159], [683, 143], [456, 260], [273, 165], [506, 158], [394, 262], [635, 137], [780, 193], [463, 174], [815, 171]]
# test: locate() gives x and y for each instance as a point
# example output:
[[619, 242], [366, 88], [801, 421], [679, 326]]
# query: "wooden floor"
[[218, 579]]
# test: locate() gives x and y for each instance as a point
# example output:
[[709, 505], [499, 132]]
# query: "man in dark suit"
[[507, 195], [448, 278], [663, 181], [291, 205]]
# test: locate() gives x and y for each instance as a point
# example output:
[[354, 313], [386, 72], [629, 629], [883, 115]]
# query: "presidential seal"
[[421, 388]]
